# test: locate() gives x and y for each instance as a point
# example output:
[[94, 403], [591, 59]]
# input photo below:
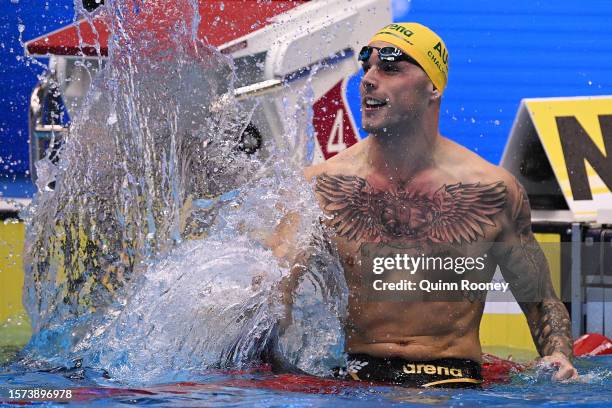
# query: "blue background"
[[18, 76], [500, 52]]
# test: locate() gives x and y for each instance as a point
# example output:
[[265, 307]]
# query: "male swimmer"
[[407, 184]]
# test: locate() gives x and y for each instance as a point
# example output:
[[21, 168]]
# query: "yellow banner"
[[576, 134]]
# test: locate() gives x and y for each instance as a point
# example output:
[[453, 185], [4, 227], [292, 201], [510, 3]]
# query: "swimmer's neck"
[[402, 154]]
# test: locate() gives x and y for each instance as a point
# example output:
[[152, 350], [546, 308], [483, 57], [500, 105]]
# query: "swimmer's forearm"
[[550, 327], [524, 266], [287, 287], [289, 283], [282, 241]]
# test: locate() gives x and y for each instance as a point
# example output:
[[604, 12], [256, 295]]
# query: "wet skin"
[[418, 330], [406, 184]]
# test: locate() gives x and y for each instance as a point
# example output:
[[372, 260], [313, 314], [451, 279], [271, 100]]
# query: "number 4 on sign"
[[335, 142]]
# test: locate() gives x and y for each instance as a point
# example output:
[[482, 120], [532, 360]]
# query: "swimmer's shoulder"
[[469, 167], [347, 161]]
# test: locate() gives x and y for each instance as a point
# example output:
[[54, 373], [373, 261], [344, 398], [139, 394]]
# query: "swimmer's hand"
[[565, 368]]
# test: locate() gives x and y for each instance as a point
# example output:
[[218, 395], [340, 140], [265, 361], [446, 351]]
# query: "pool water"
[[264, 389]]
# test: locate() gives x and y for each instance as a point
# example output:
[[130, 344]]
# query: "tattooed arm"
[[524, 266]]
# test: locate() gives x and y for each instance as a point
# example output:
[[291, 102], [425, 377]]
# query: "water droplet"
[[112, 119]]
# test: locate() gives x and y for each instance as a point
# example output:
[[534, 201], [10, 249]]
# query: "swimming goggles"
[[390, 54]]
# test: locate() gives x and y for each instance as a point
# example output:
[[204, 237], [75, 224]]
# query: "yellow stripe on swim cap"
[[422, 44]]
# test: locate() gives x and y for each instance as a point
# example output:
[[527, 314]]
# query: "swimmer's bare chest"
[[427, 216]]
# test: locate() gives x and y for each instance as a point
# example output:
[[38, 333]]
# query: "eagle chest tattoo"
[[454, 213]]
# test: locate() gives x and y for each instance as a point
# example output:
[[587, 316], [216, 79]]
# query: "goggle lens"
[[365, 53]]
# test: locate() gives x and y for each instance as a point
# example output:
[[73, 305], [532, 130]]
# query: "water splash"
[[144, 243], [590, 371]]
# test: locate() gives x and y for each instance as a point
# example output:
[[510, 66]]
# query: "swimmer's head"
[[423, 45]]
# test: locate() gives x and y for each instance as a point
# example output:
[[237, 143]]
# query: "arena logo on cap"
[[400, 29]]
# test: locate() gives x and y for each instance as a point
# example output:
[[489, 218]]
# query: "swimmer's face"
[[393, 94]]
